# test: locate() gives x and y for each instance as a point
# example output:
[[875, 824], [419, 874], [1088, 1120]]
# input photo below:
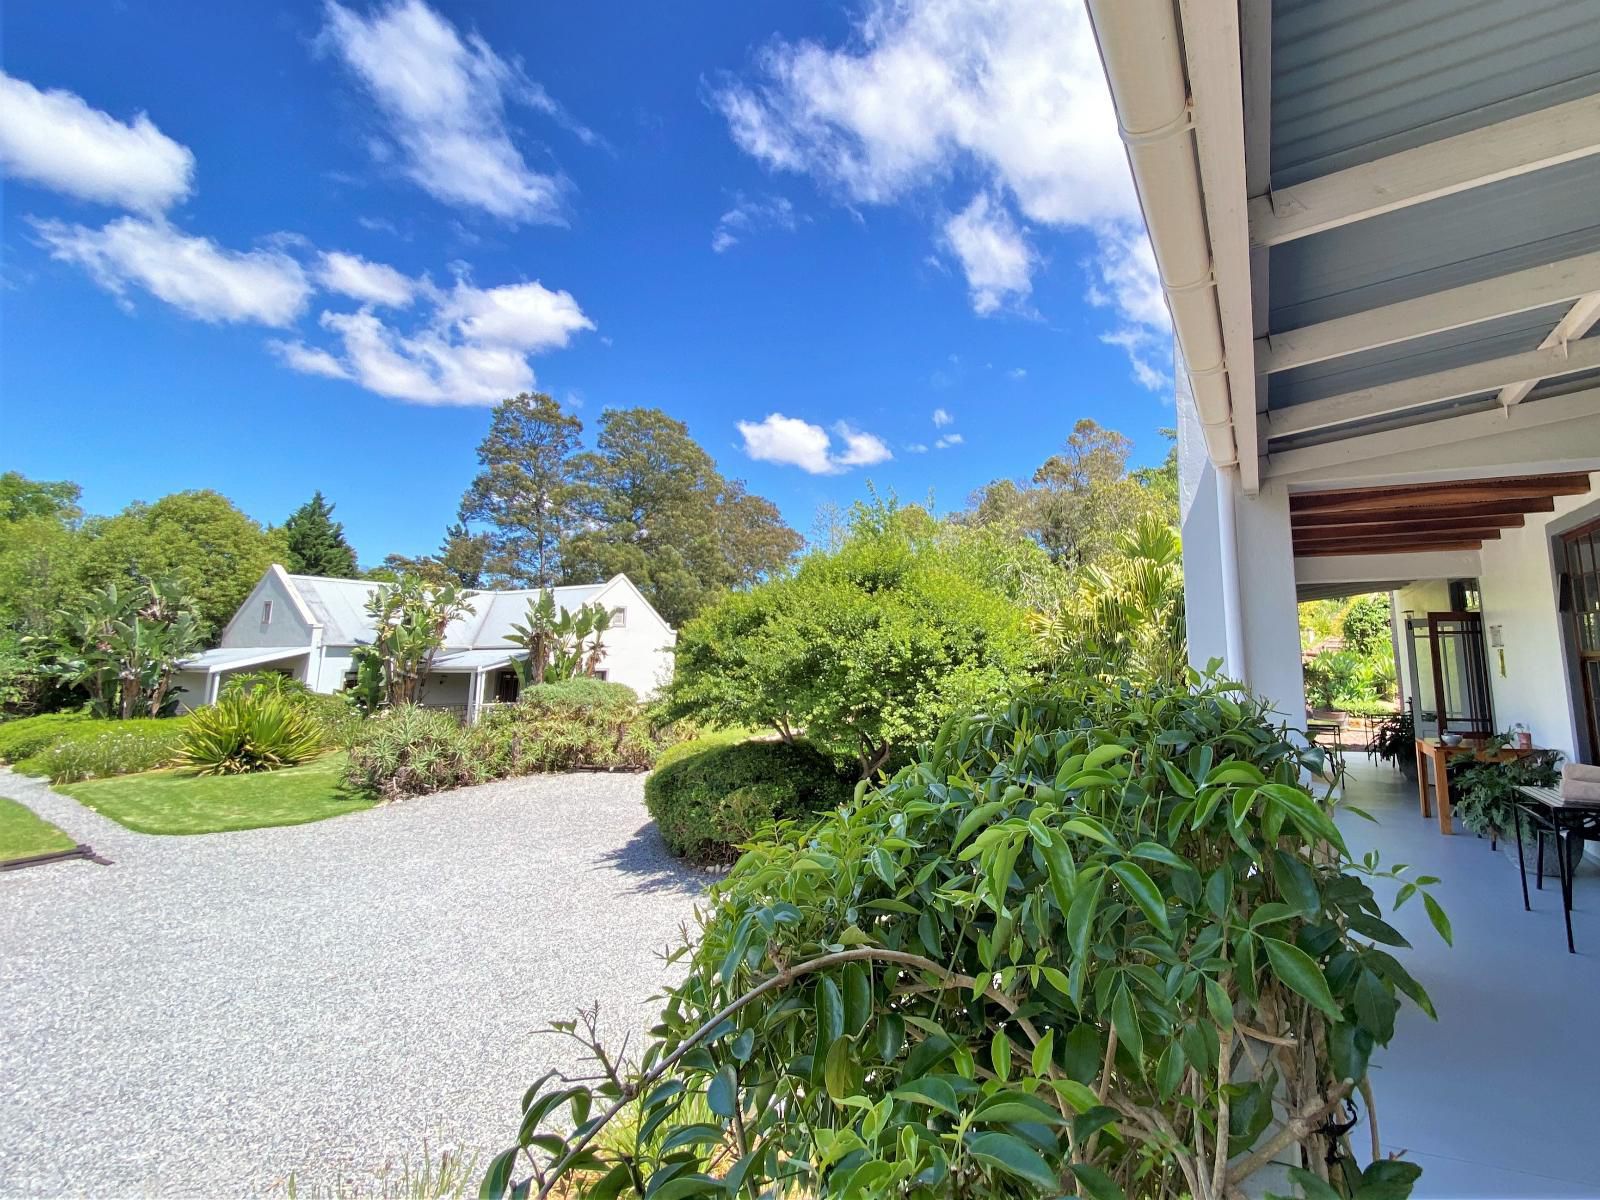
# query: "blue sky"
[[273, 248]]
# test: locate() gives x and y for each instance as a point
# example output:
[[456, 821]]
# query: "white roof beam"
[[1580, 318], [1519, 291], [1390, 398], [1553, 135]]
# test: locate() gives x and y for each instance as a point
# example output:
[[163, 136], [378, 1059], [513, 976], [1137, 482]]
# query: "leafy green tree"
[[21, 497], [525, 493], [462, 559], [1366, 626], [410, 617], [655, 508], [316, 542], [866, 650], [216, 552], [124, 646], [1080, 501]]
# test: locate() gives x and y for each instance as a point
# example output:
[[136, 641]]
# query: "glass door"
[[1581, 600], [1460, 674]]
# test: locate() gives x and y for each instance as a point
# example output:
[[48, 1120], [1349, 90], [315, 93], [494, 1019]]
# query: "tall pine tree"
[[316, 541], [525, 493]]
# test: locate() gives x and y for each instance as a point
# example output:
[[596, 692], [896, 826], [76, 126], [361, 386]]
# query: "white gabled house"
[[308, 626]]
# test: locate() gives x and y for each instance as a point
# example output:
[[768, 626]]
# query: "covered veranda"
[[1377, 227]]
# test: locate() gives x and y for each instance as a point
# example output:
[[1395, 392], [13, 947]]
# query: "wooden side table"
[[1433, 756]]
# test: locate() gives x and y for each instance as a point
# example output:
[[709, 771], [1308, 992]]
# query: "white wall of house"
[[639, 653], [257, 624], [447, 691], [329, 671]]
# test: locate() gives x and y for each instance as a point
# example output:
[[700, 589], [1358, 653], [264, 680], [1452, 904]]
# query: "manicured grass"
[[179, 801], [25, 741], [23, 833]]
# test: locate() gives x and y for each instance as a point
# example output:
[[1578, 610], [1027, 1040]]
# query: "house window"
[[351, 678], [619, 618], [266, 612], [601, 675]]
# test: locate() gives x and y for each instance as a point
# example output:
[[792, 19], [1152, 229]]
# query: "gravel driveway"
[[211, 1015]]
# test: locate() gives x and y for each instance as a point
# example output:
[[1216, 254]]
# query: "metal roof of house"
[[340, 606], [473, 660]]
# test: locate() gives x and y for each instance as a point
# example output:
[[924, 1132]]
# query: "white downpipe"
[[1228, 549], [1143, 58]]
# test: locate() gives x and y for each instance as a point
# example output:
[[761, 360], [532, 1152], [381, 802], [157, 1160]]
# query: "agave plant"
[[254, 731]]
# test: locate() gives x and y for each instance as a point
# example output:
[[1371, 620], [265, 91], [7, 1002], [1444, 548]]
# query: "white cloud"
[[948, 440], [1018, 373], [308, 360], [790, 441], [917, 448], [995, 256], [520, 316], [471, 347], [369, 282], [193, 274], [55, 139], [942, 417], [860, 449], [1009, 91], [445, 101], [750, 216], [1126, 280]]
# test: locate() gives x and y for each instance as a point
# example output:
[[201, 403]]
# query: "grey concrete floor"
[[1501, 1096], [212, 1015]]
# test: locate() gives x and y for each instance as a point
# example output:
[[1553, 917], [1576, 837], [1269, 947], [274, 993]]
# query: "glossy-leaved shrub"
[[1105, 941], [709, 796], [249, 731]]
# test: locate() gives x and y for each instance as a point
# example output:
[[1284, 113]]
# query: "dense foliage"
[[647, 501], [1352, 663], [26, 741], [568, 724], [250, 731], [315, 541], [121, 751], [1100, 941], [1485, 793], [122, 648], [560, 643], [866, 648], [411, 751], [709, 796]]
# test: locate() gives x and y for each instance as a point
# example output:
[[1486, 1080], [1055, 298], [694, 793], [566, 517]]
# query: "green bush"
[[566, 725], [250, 731], [107, 754], [411, 751], [24, 742], [711, 795], [1053, 956]]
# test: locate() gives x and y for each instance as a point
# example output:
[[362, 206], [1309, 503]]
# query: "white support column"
[[1269, 610], [474, 697], [213, 686]]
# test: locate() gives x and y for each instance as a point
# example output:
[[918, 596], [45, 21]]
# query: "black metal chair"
[[1549, 812]]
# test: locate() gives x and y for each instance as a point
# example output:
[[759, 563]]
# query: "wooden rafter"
[[1509, 512], [1465, 491]]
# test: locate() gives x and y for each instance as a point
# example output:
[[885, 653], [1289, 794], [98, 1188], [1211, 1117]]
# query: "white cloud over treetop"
[[790, 441], [444, 99], [928, 90], [57, 140]]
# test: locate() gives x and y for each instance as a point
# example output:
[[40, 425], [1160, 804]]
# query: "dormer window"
[[266, 612]]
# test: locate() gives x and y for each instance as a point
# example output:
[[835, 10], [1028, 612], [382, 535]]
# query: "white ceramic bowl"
[[1450, 739]]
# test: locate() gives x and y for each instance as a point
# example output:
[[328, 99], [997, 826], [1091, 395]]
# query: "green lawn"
[[23, 833], [179, 801]]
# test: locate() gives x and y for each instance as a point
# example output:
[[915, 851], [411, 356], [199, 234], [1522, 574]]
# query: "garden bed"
[[177, 801]]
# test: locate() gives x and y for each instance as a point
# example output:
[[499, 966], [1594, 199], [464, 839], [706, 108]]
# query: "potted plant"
[[1394, 741], [1486, 803]]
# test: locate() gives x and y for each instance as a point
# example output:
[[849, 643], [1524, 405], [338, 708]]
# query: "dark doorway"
[[507, 687], [1580, 600]]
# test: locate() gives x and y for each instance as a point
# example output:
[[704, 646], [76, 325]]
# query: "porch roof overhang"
[[1371, 219], [212, 662], [459, 662]]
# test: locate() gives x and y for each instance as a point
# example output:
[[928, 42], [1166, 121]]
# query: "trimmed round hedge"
[[708, 796]]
